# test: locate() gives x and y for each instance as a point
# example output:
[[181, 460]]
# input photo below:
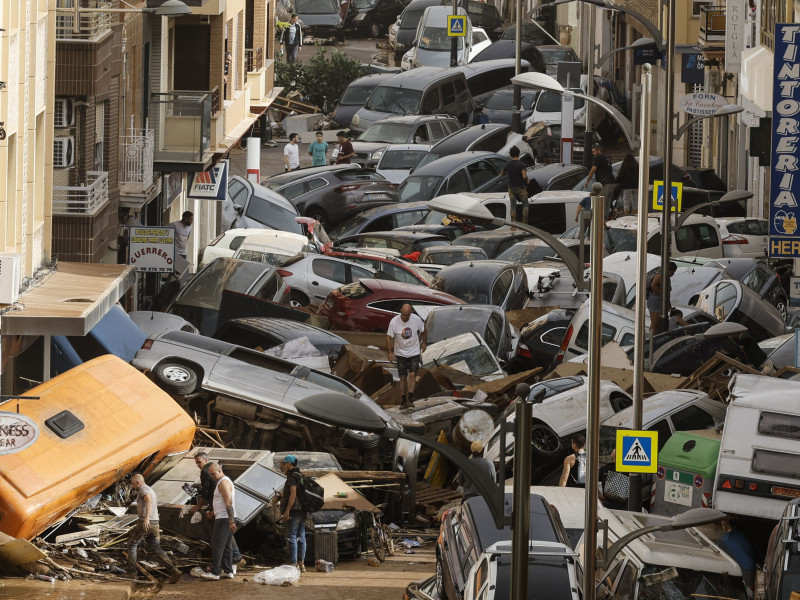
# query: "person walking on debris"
[[147, 529], [406, 340], [574, 471], [206, 489], [654, 296], [295, 517], [224, 525], [516, 171]]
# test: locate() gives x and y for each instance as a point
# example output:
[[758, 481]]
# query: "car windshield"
[[349, 227], [364, 3], [688, 584], [205, 289], [394, 100], [391, 133], [418, 188], [270, 214], [749, 228], [355, 95], [427, 159], [270, 257], [526, 253], [479, 360], [315, 7], [620, 240], [551, 102], [401, 160], [436, 38], [553, 57], [411, 19], [545, 573]]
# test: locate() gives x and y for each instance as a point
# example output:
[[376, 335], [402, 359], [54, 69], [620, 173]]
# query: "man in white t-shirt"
[[406, 340], [291, 154]]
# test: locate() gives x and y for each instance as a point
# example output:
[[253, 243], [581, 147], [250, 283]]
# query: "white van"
[[668, 564], [618, 325], [432, 45], [758, 471]]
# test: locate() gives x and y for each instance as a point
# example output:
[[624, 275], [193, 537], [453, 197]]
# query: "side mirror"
[[238, 208]]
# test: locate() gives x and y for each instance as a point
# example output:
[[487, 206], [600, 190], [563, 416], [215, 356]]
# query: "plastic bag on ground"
[[278, 575]]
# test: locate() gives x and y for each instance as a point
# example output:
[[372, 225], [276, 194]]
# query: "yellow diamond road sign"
[[637, 451], [457, 25]]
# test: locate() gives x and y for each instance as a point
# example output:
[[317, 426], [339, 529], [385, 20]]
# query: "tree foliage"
[[320, 77]]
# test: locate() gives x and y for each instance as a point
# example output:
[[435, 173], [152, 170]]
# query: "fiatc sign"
[[784, 237], [17, 432]]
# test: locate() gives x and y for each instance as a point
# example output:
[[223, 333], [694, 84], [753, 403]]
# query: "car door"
[[325, 275], [409, 217], [238, 193], [457, 183], [485, 177]]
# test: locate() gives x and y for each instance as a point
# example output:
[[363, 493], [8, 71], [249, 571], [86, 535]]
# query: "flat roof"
[[68, 301]]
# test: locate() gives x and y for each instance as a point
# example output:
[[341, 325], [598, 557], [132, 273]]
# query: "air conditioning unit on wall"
[[63, 152], [9, 278], [64, 113]]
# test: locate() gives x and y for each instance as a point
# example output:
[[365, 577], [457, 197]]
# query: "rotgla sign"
[[17, 432]]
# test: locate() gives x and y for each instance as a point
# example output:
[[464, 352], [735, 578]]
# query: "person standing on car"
[[291, 154], [574, 470], [406, 340], [601, 171], [318, 151], [344, 151], [206, 489], [292, 39], [516, 171], [292, 514], [654, 296], [628, 182], [224, 525], [147, 529]]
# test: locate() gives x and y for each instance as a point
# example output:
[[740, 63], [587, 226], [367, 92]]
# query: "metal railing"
[[216, 105], [182, 125], [137, 157], [92, 25], [82, 200], [712, 25], [254, 58]]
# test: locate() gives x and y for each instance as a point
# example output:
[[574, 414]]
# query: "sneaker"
[[228, 575], [240, 563], [233, 570], [209, 576], [301, 566]]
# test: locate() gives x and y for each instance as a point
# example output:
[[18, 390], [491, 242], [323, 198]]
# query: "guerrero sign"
[[17, 432], [784, 237], [152, 249]]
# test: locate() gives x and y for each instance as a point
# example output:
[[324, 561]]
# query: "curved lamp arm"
[[730, 109]]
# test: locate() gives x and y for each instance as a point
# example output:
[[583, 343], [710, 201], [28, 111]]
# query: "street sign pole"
[[454, 41], [567, 126]]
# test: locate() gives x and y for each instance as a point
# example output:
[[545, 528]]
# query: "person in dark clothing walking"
[[628, 182], [516, 171], [601, 171], [292, 39], [344, 151], [295, 528], [574, 470]]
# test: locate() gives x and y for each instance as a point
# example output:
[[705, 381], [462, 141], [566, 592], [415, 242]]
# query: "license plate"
[[376, 196], [789, 492]]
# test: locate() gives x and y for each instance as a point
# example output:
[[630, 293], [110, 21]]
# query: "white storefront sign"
[[702, 103], [152, 249]]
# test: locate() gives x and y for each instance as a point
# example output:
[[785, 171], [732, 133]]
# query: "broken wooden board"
[[17, 551], [91, 531]]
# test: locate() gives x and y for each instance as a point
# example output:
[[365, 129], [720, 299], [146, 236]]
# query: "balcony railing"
[[215, 101], [93, 25], [82, 200], [254, 58], [712, 26], [182, 125], [137, 157]]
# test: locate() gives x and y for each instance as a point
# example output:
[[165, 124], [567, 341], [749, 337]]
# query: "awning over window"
[[68, 301]]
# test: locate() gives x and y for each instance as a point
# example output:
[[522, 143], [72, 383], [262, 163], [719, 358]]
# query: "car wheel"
[[619, 402], [176, 378], [781, 306], [440, 591], [373, 30], [544, 440], [316, 213], [298, 299], [361, 439]]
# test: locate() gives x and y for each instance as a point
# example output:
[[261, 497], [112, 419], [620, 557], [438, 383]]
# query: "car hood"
[[331, 19], [344, 113], [368, 117]]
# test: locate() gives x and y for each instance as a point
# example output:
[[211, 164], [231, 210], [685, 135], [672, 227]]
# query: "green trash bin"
[[687, 465]]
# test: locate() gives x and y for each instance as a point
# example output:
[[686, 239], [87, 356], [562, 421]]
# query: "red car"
[[369, 304]]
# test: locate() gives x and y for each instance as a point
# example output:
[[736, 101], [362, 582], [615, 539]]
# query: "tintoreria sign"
[[784, 237]]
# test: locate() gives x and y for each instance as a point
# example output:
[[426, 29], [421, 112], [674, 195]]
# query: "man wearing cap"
[[295, 528]]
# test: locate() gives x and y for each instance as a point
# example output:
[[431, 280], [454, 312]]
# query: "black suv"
[[373, 17], [468, 530]]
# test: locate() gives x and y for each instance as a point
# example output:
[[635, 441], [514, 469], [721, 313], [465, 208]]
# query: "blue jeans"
[[295, 532]]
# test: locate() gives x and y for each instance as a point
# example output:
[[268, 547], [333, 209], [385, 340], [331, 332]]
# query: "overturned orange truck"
[[90, 427]]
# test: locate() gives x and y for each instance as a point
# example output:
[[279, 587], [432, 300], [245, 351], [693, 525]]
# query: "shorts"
[[628, 199], [407, 364], [653, 302], [518, 195]]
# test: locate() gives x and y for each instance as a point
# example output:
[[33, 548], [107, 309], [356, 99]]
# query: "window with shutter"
[[192, 57]]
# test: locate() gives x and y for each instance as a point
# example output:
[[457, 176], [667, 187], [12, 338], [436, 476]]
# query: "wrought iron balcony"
[[254, 58], [712, 26], [182, 125], [92, 25], [85, 199], [137, 159]]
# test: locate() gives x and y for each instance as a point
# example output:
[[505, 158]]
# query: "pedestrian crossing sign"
[[457, 25], [637, 451], [677, 196]]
